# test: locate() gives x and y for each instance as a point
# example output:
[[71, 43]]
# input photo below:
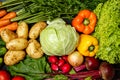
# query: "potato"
[[22, 30], [7, 35], [34, 49], [17, 44], [36, 29], [13, 57]]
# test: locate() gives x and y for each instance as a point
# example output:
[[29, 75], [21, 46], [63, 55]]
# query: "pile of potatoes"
[[22, 41]]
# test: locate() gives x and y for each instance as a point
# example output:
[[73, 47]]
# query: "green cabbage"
[[58, 38]]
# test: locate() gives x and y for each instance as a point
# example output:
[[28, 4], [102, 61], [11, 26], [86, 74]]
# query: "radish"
[[52, 59], [65, 68]]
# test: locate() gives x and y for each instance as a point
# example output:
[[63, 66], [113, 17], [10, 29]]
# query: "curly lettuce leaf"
[[107, 31]]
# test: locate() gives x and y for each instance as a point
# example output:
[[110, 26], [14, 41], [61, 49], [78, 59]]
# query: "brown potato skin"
[[13, 57], [34, 49], [36, 29], [17, 44], [22, 30], [7, 35]]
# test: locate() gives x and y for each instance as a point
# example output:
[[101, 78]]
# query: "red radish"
[[52, 59], [66, 68], [54, 67], [61, 62], [65, 57], [91, 63], [18, 78]]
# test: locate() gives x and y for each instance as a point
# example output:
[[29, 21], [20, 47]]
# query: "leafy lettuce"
[[107, 31]]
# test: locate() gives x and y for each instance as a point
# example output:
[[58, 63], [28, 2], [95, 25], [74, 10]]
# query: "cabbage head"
[[58, 38]]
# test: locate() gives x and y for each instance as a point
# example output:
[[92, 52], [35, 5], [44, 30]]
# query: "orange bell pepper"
[[85, 21]]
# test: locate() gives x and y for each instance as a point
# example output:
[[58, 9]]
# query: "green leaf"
[[31, 69]]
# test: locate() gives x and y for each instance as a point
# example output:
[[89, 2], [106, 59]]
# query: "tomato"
[[18, 78], [4, 75]]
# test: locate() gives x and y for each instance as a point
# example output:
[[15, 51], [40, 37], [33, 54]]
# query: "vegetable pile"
[[59, 40]]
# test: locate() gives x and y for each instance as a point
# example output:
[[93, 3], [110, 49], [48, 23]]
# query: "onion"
[[75, 58]]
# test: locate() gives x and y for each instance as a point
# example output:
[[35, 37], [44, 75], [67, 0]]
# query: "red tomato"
[[4, 75], [18, 78]]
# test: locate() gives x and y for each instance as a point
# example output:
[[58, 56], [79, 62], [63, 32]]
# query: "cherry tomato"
[[18, 78], [4, 75]]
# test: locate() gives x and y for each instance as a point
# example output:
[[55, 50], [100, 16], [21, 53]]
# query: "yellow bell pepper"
[[88, 45]]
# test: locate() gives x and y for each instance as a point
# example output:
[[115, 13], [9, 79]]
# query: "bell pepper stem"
[[91, 48], [86, 21]]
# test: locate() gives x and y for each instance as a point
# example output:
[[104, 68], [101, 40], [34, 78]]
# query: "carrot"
[[9, 15], [4, 22], [13, 26], [3, 12]]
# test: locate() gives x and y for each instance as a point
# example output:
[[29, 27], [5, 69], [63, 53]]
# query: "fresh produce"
[[59, 64], [52, 59], [1, 61], [17, 44], [34, 49], [12, 26], [7, 35], [65, 68], [31, 69], [18, 78], [32, 11], [106, 71], [9, 15], [36, 29], [65, 58], [88, 45], [22, 30], [75, 58], [2, 12], [58, 38], [90, 63], [4, 22], [13, 57], [3, 49], [4, 75], [60, 77], [54, 67], [85, 21], [107, 31], [2, 43], [49, 57]]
